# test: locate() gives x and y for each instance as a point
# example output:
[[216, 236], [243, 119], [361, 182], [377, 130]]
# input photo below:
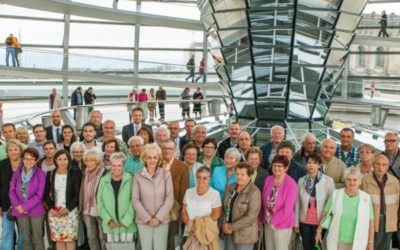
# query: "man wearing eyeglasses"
[[39, 132], [392, 153]]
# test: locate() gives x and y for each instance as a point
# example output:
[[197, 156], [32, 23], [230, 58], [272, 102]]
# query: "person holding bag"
[[114, 201], [349, 216]]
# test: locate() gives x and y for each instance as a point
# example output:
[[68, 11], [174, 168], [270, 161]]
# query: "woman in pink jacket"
[[278, 202]]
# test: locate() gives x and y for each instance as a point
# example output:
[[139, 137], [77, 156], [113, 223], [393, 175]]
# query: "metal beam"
[[92, 11], [65, 66], [91, 77]]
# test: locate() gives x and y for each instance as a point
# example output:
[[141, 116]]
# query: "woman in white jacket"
[[351, 225], [314, 190]]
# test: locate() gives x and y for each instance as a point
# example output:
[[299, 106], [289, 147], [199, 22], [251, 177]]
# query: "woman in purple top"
[[26, 196], [278, 202]]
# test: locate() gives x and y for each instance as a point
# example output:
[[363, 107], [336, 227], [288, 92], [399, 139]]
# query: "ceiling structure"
[[280, 60]]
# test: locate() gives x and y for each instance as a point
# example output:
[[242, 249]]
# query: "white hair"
[[75, 146], [199, 126], [306, 136], [277, 127], [355, 171], [234, 152], [163, 128], [136, 138]]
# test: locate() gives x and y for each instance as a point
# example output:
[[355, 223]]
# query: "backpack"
[[9, 41]]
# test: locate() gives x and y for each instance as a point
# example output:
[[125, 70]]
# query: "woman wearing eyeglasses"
[[26, 196], [208, 157]]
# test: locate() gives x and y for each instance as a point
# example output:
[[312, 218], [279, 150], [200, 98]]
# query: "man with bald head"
[[109, 133], [392, 153], [384, 190], [53, 132], [308, 146], [332, 166], [244, 143], [269, 149]]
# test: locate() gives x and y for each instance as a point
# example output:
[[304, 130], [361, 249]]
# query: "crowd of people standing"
[[160, 190]]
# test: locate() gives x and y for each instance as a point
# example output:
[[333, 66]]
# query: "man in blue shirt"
[[346, 151], [133, 163]]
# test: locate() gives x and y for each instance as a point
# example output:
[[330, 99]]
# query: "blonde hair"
[[92, 155], [14, 142], [151, 147]]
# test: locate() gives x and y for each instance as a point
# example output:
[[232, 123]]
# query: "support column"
[[345, 82], [136, 44], [65, 59]]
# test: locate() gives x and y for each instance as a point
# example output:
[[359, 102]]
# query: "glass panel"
[[234, 37], [245, 108], [273, 110], [353, 6], [235, 19], [171, 38], [265, 91], [327, 4], [32, 31], [240, 73], [348, 22], [242, 90], [300, 109], [269, 3], [228, 4], [270, 18], [236, 55], [99, 35]]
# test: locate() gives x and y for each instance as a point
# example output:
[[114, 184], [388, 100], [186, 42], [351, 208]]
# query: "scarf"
[[90, 184], [310, 183], [25, 181]]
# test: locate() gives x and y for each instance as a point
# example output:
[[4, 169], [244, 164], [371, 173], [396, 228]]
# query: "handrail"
[[61, 54], [29, 117]]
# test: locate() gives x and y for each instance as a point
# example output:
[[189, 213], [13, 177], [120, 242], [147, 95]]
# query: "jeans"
[[308, 233], [10, 51], [382, 238], [7, 236]]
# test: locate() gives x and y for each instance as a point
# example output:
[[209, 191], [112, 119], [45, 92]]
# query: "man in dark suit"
[[53, 132], [269, 149], [132, 128], [188, 137], [230, 142], [180, 182]]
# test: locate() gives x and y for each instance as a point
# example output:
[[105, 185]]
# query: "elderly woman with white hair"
[[77, 151], [349, 217], [225, 175]]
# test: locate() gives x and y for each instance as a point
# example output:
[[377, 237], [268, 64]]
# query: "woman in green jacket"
[[117, 214]]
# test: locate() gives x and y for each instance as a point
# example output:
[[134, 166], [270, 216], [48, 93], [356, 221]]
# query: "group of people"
[[191, 66], [13, 49], [96, 190]]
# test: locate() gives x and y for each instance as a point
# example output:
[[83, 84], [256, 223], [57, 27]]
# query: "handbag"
[[327, 221], [121, 245], [296, 242], [10, 216], [175, 211], [18, 50]]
